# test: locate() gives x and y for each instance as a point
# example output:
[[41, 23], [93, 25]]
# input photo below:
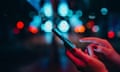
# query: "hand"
[[103, 47], [85, 62]]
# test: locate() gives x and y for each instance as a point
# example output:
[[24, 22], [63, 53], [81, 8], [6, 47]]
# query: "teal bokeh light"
[[63, 26], [63, 9]]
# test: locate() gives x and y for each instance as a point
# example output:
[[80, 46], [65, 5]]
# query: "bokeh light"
[[118, 33], [70, 13], [36, 21], [75, 21], [47, 26], [79, 29], [63, 26], [63, 9], [16, 31], [90, 24], [48, 38], [20, 25], [47, 9], [111, 34], [79, 13], [92, 15], [33, 29], [35, 4], [95, 28], [104, 11]]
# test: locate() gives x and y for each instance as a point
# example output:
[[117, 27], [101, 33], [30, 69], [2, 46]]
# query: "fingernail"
[[81, 41], [96, 50], [84, 40], [89, 51]]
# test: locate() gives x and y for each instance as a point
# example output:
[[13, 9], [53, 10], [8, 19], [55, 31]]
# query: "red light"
[[111, 34], [16, 31], [90, 24], [33, 30], [79, 29], [20, 25]]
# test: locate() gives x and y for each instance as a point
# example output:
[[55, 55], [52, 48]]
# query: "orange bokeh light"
[[79, 29]]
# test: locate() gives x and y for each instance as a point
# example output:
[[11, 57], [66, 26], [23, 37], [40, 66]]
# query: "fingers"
[[91, 39], [78, 62], [101, 49], [96, 41], [86, 51], [81, 55], [90, 50], [80, 58]]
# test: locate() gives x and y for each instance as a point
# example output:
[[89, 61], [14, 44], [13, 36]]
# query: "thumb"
[[90, 50]]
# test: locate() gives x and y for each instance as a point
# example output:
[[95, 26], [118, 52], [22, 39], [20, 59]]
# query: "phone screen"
[[67, 42]]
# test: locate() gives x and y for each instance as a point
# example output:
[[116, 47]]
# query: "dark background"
[[27, 52]]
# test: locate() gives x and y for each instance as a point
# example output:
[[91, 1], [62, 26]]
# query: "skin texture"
[[103, 47], [85, 62]]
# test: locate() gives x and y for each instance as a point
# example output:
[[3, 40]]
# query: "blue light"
[[87, 3], [47, 9], [35, 4], [79, 13], [70, 13], [118, 34], [47, 27], [75, 21], [63, 26], [91, 16], [36, 21], [104, 11], [48, 38], [63, 58], [63, 9]]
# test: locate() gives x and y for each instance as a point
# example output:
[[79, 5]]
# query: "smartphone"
[[68, 44]]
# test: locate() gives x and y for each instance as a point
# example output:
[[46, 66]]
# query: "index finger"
[[96, 40], [91, 39]]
